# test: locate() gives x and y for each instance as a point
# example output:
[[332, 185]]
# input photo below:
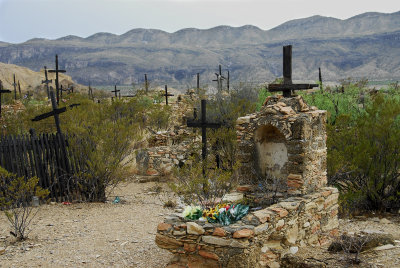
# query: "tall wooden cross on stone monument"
[[287, 87], [46, 81], [2, 91], [57, 85], [167, 95]]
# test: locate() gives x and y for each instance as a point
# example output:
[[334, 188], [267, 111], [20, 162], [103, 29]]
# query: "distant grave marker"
[[47, 82], [219, 79], [56, 71], [115, 91], [287, 87], [2, 90], [15, 88], [167, 95]]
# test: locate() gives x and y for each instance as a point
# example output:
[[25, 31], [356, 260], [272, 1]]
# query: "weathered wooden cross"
[[116, 91], [146, 83], [203, 124], [167, 95], [55, 112], [287, 87], [198, 82], [47, 82], [219, 79], [227, 82], [57, 85], [15, 88], [2, 91], [19, 89], [90, 92], [320, 78]]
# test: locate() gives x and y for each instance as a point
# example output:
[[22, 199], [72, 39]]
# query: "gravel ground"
[[92, 235], [122, 235]]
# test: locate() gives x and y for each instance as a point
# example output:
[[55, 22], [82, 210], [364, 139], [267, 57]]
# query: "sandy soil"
[[92, 235], [122, 235]]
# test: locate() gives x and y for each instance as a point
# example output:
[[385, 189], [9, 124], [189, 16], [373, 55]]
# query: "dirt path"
[[92, 235], [122, 235]]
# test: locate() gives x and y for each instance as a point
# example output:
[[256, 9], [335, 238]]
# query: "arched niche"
[[272, 154]]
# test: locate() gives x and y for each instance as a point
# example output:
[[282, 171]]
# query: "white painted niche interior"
[[271, 150]]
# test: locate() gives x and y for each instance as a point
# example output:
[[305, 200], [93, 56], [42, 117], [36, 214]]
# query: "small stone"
[[244, 233], [280, 224], [233, 197], [306, 224], [281, 211], [189, 247], [244, 188], [384, 247], [219, 232], [208, 255], [194, 228], [293, 250], [179, 232], [163, 226], [384, 221], [2, 250], [261, 228]]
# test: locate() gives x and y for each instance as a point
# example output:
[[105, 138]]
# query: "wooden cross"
[[203, 124], [47, 81], [227, 82], [219, 79], [287, 87], [90, 92], [19, 89], [57, 71], [55, 112], [15, 88], [2, 91], [198, 82], [116, 91], [146, 83], [320, 78], [167, 95]]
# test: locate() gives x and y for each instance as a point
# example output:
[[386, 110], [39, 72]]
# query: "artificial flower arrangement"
[[192, 212], [224, 214]]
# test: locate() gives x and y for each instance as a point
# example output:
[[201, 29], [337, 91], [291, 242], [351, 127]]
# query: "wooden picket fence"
[[48, 157]]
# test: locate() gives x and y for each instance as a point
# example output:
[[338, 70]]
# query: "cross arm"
[[280, 87], [57, 71], [46, 115], [5, 91], [200, 124]]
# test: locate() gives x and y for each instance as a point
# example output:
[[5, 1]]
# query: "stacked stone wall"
[[260, 239], [304, 132]]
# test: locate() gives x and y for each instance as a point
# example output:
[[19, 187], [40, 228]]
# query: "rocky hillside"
[[28, 79], [366, 45]]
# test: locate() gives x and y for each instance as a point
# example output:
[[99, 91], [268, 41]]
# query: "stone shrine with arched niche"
[[285, 144]]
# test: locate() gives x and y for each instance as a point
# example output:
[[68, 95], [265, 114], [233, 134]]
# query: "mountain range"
[[366, 45]]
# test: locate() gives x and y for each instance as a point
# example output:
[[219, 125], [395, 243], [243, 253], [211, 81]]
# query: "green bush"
[[16, 195], [364, 156]]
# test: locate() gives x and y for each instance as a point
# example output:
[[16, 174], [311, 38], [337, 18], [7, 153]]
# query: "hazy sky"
[[21, 20]]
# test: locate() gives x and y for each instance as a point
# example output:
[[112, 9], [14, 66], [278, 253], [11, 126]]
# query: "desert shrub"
[[364, 156], [16, 194], [102, 137], [204, 189]]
